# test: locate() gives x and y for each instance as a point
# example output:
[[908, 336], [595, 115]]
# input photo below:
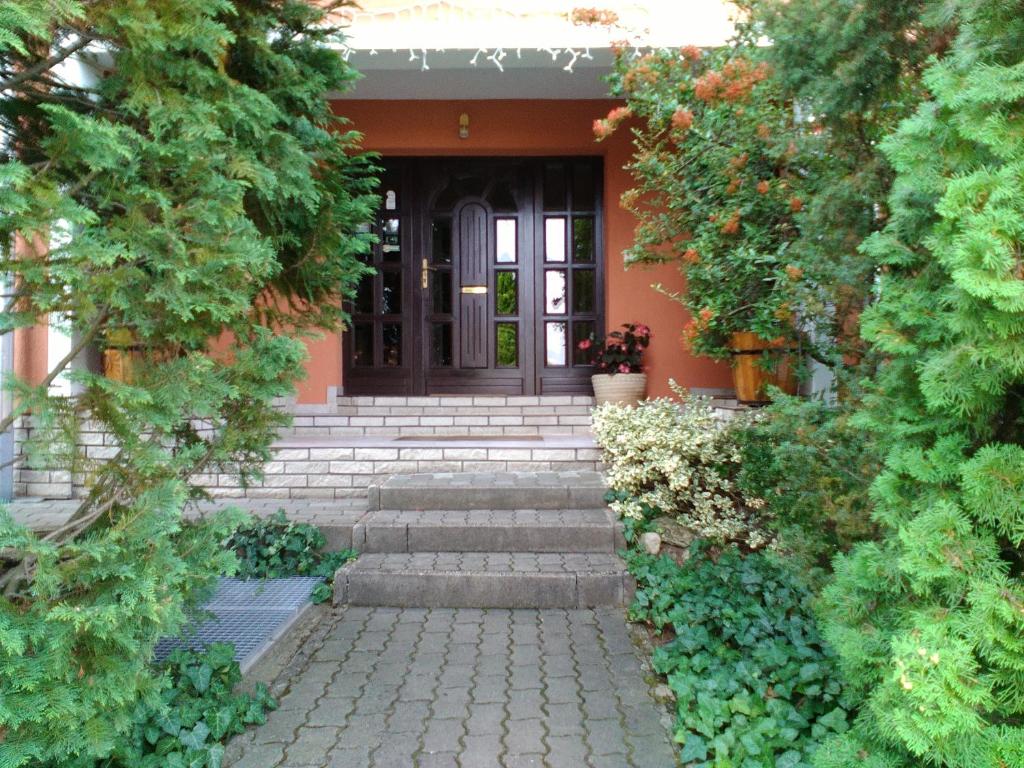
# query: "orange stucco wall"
[[513, 127]]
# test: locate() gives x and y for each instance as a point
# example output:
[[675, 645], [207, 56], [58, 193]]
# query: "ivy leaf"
[[200, 676], [694, 748], [195, 738], [220, 721]]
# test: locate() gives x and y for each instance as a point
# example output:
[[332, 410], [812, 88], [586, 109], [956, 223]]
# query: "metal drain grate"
[[250, 614]]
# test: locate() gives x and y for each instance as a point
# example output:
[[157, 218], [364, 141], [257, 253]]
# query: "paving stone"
[[444, 735], [570, 750], [311, 746], [525, 736], [261, 756]]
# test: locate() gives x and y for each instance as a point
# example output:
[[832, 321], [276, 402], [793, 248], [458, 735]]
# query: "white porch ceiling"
[[528, 74]]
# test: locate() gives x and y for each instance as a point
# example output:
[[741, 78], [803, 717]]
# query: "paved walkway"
[[466, 688]]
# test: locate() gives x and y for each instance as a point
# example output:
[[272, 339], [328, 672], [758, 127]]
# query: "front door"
[[488, 275]]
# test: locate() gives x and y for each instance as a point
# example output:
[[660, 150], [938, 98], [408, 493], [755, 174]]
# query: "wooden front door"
[[489, 273]]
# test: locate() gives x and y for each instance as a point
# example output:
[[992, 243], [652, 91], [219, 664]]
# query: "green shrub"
[[680, 459], [275, 547], [755, 684], [190, 716], [814, 469], [197, 189], [929, 621]]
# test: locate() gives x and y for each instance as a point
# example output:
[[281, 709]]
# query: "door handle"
[[425, 275]]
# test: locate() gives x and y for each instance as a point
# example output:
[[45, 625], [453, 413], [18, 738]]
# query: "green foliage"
[[928, 622], [78, 652], [193, 712], [852, 68], [275, 547], [755, 683], [177, 201], [813, 468]]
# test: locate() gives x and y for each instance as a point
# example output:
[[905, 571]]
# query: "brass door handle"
[[425, 275]]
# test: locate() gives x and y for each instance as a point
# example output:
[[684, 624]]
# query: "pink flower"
[[585, 344], [643, 330], [623, 368]]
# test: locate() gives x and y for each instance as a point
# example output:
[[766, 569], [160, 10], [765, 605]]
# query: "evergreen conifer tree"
[[192, 192], [929, 621]]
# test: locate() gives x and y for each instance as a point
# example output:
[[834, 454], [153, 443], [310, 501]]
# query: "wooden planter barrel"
[[620, 388], [759, 363], [120, 356]]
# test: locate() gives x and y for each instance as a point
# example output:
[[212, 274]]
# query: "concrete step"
[[485, 530], [483, 580], [489, 490]]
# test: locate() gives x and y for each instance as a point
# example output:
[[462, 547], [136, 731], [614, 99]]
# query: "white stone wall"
[[335, 452]]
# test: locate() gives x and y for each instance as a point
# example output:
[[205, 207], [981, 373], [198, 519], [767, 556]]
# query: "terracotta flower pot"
[[751, 374], [620, 388]]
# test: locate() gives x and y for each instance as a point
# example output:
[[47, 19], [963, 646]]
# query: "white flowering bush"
[[680, 459]]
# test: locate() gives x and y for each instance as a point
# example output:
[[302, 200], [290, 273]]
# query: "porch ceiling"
[[451, 74]]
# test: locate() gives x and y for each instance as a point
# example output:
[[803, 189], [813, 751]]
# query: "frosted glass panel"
[[554, 239], [555, 292], [505, 237], [555, 343]]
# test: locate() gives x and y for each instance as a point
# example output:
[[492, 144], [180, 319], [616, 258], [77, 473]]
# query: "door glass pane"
[[508, 345], [554, 343], [506, 299], [582, 331], [441, 292], [583, 240], [441, 345], [362, 344], [391, 298], [554, 239], [583, 191], [441, 241], [505, 239], [583, 291], [364, 296], [391, 244], [554, 187], [554, 292], [392, 345]]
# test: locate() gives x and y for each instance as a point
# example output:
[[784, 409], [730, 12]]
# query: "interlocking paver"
[[465, 688]]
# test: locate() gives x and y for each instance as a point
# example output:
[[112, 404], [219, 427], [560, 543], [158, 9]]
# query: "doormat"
[[470, 438], [248, 613]]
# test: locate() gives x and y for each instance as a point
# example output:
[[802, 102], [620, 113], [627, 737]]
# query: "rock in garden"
[[651, 542], [663, 694]]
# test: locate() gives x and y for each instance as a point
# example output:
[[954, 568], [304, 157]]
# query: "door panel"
[[471, 256], [489, 274]]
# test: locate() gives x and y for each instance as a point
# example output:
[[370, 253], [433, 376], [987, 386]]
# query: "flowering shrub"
[[681, 459], [621, 351], [717, 187]]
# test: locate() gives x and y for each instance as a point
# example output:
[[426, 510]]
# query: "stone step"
[[489, 490], [483, 580], [486, 530]]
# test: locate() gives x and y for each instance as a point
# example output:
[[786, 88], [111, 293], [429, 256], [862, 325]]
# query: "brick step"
[[489, 490], [483, 580], [484, 530]]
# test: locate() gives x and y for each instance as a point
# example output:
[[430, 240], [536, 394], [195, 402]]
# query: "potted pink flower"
[[620, 376]]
